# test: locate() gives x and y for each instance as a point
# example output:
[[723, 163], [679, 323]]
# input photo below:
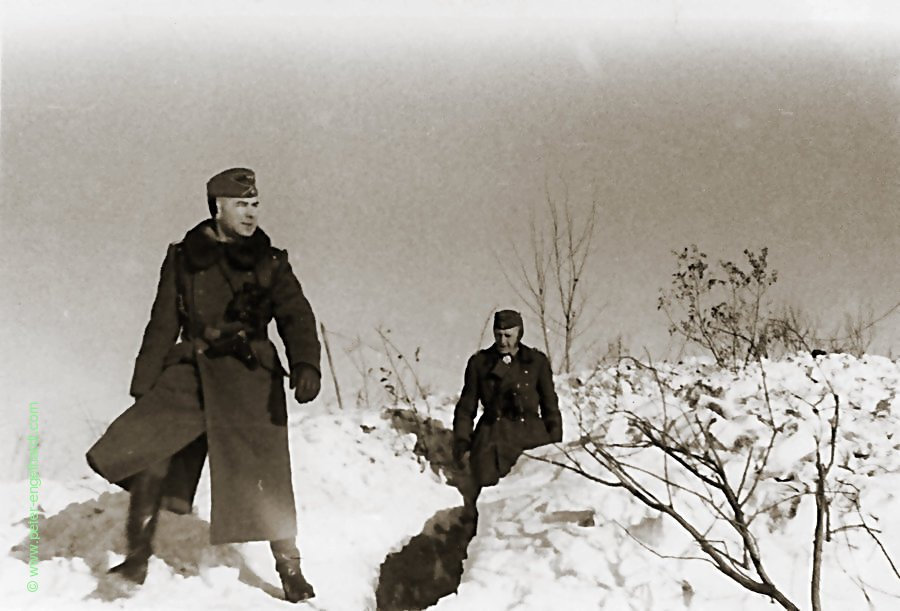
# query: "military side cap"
[[507, 319], [236, 182]]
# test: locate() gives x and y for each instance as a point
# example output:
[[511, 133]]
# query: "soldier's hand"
[[554, 430], [306, 382], [460, 447]]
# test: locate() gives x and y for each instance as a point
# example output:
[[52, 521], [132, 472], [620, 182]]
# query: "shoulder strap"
[[266, 269], [229, 275], [181, 283]]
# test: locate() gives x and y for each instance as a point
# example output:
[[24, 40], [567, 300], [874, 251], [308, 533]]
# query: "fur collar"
[[202, 249]]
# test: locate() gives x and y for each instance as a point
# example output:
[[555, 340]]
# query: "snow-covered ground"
[[547, 538], [361, 493], [550, 539]]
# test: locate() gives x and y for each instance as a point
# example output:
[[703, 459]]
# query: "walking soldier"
[[514, 383], [207, 380]]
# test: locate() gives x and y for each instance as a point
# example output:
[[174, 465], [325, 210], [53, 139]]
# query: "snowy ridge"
[[547, 538], [361, 493], [553, 539]]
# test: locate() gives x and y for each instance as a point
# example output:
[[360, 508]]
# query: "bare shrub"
[[721, 464], [550, 278], [721, 309]]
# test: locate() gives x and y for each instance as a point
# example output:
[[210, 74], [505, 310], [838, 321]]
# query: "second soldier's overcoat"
[[521, 410], [188, 404]]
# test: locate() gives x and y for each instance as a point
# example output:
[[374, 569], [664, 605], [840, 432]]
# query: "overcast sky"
[[399, 154]]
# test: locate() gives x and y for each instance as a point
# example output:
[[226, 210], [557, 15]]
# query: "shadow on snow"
[[430, 566], [90, 530]]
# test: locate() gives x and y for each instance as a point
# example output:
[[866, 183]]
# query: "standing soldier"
[[208, 380], [514, 383]]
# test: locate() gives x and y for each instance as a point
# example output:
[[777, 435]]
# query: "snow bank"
[[361, 493], [553, 539], [547, 538]]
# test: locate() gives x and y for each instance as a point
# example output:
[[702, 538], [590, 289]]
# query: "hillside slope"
[[547, 538]]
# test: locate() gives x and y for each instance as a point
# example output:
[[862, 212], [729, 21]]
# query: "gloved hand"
[[460, 447], [306, 382], [554, 429]]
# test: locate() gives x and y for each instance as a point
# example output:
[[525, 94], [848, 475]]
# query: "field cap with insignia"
[[236, 182]]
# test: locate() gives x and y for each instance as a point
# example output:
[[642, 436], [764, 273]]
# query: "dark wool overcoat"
[[189, 404], [521, 410]]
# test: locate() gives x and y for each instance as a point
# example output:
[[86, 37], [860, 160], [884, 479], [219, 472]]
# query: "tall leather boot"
[[143, 513], [287, 563], [470, 491]]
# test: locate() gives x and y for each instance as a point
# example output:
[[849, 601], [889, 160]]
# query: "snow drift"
[[368, 483]]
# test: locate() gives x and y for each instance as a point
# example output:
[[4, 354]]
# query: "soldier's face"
[[507, 340], [238, 216]]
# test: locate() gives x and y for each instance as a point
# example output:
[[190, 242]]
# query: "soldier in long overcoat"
[[514, 384], [207, 380]]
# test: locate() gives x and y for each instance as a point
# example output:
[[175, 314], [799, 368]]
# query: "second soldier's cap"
[[507, 319], [235, 182]]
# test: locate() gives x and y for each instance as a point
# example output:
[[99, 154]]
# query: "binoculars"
[[243, 316], [247, 306]]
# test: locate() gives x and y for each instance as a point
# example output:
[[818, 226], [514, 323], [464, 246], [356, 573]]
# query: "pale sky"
[[397, 152]]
